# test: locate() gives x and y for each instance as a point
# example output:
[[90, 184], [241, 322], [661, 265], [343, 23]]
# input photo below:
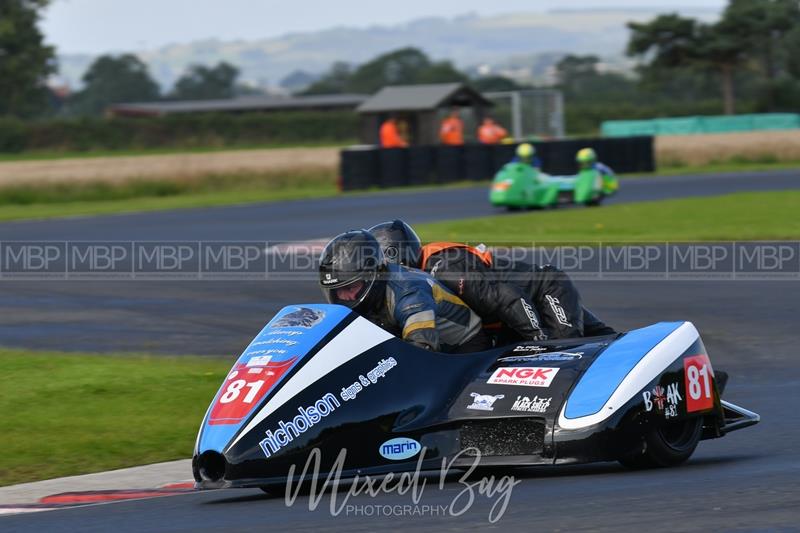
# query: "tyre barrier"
[[363, 167]]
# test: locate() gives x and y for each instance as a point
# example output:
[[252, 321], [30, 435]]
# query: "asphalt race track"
[[747, 481]]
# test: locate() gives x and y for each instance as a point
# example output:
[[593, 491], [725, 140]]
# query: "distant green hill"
[[512, 41]]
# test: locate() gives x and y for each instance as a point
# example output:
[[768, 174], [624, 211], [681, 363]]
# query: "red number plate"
[[244, 388], [698, 377]]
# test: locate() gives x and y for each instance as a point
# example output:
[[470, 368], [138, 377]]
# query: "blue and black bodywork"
[[321, 377]]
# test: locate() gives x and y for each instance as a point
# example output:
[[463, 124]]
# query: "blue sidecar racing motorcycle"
[[323, 377]]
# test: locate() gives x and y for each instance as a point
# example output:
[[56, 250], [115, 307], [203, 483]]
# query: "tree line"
[[751, 50], [745, 61], [125, 78]]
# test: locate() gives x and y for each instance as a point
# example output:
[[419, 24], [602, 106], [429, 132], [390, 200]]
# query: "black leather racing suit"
[[556, 297], [536, 302]]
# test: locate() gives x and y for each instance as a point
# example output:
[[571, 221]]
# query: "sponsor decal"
[[399, 449], [350, 392], [287, 332], [302, 318], [534, 405], [523, 376], [555, 357], [531, 314], [285, 342], [306, 418], [265, 352], [558, 311], [311, 415], [484, 402], [698, 373], [527, 348], [665, 401]]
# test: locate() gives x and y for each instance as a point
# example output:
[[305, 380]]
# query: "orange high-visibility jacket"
[[390, 137], [491, 133], [452, 131]]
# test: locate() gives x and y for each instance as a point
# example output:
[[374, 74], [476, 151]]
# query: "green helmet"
[[525, 151], [586, 156]]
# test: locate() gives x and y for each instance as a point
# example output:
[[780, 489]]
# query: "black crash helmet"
[[351, 271], [399, 243]]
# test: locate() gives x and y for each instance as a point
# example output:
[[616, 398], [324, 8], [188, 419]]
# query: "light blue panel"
[[600, 381]]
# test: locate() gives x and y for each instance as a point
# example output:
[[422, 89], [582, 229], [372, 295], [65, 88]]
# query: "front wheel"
[[669, 444]]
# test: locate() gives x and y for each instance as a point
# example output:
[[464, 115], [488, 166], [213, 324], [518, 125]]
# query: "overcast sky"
[[98, 26]]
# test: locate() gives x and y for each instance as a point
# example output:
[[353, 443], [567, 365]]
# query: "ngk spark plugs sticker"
[[523, 376]]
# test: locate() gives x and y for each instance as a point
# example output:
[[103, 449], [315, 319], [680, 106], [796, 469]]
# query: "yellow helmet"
[[525, 151], [586, 155]]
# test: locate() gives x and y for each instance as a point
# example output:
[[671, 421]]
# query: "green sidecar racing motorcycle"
[[521, 186]]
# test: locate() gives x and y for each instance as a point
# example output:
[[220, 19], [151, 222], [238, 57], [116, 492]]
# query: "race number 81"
[[698, 375]]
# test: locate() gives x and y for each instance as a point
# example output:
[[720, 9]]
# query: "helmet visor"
[[350, 294]]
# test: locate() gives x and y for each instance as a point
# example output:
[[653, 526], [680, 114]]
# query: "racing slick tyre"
[[669, 444]]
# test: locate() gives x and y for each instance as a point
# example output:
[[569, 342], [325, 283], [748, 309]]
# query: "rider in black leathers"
[[535, 302]]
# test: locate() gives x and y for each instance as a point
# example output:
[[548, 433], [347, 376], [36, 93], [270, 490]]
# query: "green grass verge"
[[66, 414], [740, 217]]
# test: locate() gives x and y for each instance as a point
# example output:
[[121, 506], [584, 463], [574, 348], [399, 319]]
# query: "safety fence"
[[700, 125], [363, 167]]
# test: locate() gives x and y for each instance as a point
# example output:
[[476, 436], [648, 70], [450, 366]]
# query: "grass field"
[[738, 217], [174, 167], [55, 155], [96, 198], [765, 147], [68, 414]]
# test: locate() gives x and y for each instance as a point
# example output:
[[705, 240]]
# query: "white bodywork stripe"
[[360, 336], [646, 370]]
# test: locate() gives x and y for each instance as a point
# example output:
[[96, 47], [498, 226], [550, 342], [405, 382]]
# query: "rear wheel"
[[669, 444]]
